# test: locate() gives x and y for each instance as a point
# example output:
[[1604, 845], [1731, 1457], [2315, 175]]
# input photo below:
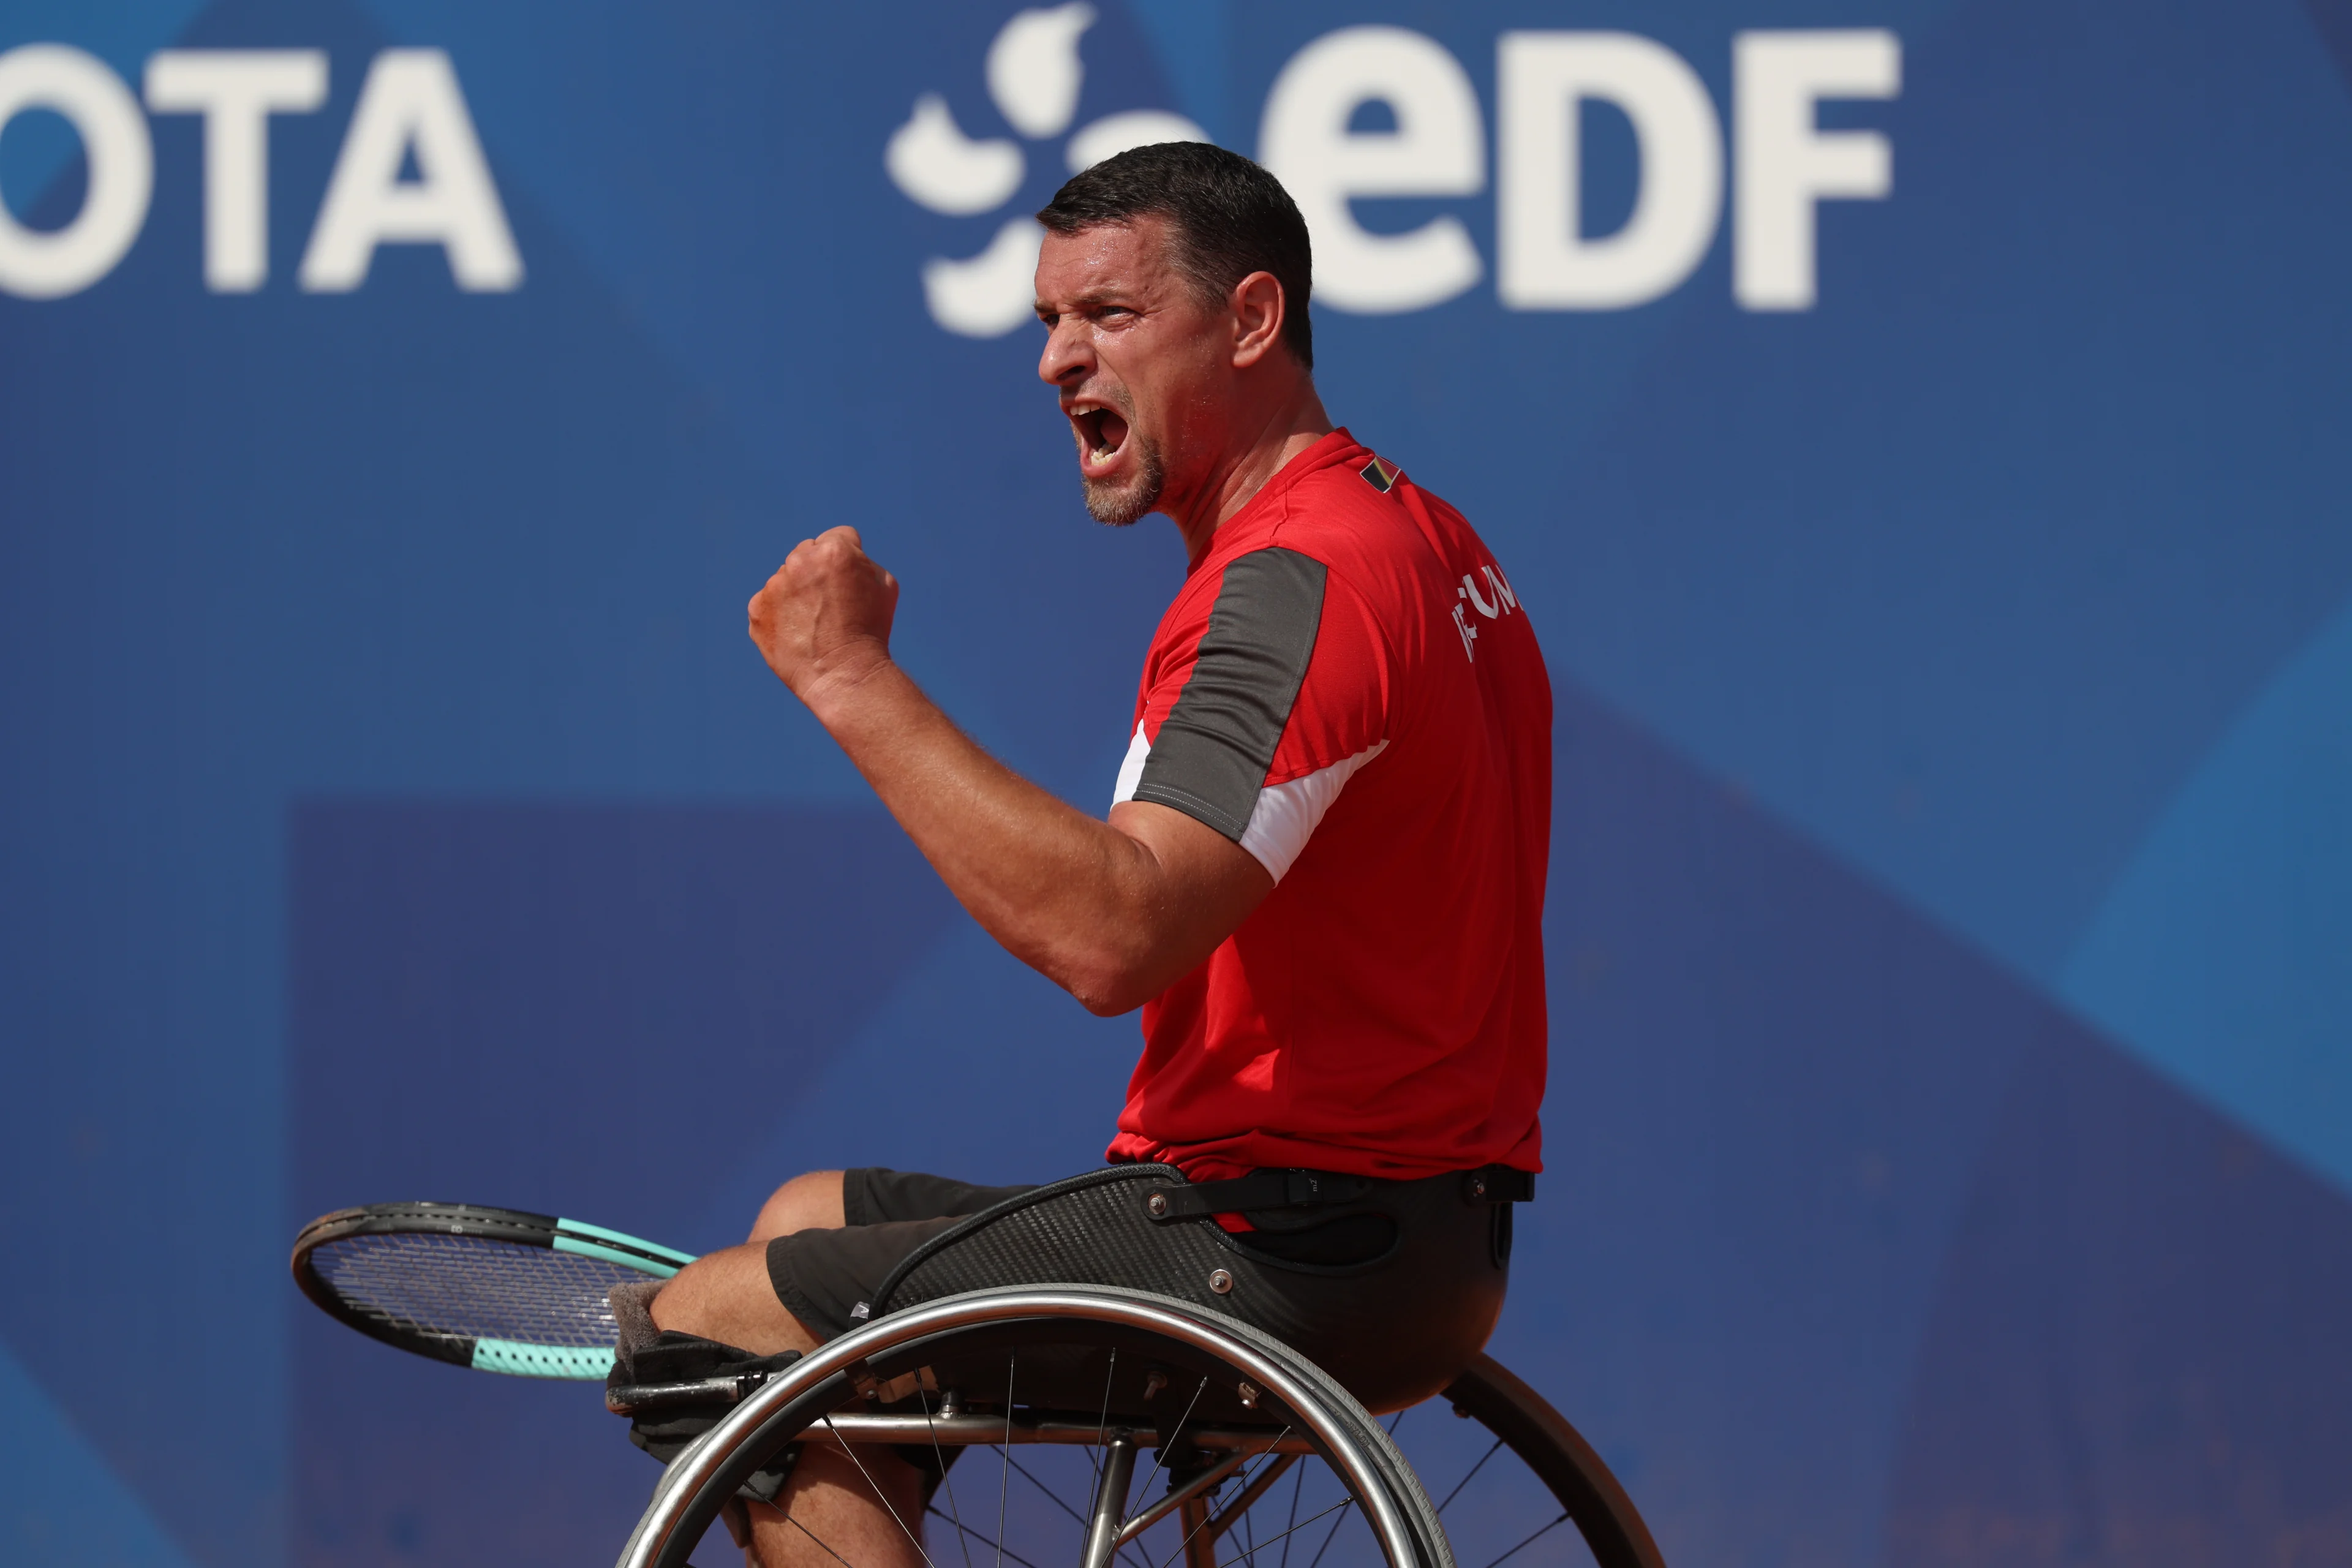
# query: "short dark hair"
[[1231, 218]]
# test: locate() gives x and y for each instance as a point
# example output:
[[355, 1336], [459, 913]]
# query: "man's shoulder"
[[1357, 487], [1367, 521], [1357, 515]]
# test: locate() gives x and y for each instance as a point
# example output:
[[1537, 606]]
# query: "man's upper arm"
[[1213, 882], [1278, 702]]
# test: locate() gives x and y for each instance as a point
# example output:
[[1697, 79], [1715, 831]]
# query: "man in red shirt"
[[1322, 875]]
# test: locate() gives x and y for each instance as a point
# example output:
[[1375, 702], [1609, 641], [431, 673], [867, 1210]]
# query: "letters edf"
[[409, 108], [1784, 163]]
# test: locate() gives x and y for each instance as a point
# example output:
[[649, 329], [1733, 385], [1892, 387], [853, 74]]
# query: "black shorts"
[[1389, 1285], [826, 1279]]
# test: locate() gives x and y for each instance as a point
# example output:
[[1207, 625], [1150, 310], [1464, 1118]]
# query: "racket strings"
[[474, 1287]]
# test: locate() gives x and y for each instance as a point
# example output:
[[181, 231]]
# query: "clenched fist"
[[825, 614]]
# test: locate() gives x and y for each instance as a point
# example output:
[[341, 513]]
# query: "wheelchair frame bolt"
[[1221, 1282], [1155, 1205], [1248, 1391]]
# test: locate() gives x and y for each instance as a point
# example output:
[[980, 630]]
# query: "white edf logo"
[[409, 106], [1783, 164]]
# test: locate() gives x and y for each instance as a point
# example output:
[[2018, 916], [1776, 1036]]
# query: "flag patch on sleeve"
[[1379, 475]]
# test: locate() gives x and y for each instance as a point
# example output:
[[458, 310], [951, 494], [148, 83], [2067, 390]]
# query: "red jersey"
[[1348, 688]]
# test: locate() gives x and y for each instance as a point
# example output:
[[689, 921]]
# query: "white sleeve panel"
[[1130, 772], [1286, 814]]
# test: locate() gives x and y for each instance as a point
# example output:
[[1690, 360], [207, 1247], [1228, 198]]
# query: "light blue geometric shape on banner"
[[2224, 953], [62, 1505], [1195, 43]]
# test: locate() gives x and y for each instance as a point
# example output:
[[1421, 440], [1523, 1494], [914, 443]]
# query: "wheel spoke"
[[947, 1480], [1050, 1495], [1215, 1525], [1102, 1426], [1094, 1461], [1057, 1500], [1004, 1477], [968, 1529], [813, 1535], [1253, 1486], [1162, 1453], [1474, 1470], [1342, 1506], [1302, 1524], [1298, 1480], [1530, 1541], [851, 1449]]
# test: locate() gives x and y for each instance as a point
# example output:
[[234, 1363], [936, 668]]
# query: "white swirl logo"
[[1034, 73]]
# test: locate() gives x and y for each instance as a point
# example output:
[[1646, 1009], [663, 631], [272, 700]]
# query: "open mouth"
[[1101, 433]]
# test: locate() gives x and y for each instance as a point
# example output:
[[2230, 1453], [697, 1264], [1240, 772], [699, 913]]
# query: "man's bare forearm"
[[1113, 913], [1113, 917]]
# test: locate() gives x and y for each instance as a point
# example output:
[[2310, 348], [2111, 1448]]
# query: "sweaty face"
[[1130, 349]]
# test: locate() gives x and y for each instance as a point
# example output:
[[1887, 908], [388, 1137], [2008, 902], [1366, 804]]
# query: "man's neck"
[[1288, 429]]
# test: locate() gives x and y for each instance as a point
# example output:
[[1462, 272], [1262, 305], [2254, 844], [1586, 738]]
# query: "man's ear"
[[1257, 307]]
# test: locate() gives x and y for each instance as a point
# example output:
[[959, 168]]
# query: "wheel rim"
[[699, 1480]]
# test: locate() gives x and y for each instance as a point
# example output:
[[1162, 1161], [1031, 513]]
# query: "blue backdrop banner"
[[1915, 427]]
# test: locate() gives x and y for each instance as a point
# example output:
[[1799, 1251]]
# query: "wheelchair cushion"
[[1392, 1329]]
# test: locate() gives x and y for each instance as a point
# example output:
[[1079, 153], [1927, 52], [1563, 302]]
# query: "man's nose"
[[1065, 354]]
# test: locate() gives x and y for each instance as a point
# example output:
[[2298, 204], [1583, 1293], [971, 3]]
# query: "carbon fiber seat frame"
[[1392, 1329]]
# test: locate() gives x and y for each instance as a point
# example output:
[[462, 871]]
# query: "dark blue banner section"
[[1914, 428], [581, 1010], [498, 984]]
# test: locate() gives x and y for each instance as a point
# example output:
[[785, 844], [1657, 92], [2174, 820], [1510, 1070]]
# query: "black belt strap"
[[1278, 1189], [1498, 1184]]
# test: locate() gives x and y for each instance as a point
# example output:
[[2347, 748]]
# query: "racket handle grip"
[[636, 1398]]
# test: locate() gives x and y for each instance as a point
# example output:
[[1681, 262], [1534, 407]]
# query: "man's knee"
[[811, 1202], [728, 1296]]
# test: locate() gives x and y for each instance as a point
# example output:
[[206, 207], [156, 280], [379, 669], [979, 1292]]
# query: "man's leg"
[[847, 1504], [805, 1203], [727, 1296], [828, 1500]]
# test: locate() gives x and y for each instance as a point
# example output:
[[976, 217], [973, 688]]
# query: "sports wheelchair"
[[1078, 1326]]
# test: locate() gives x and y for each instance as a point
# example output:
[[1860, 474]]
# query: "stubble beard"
[[1119, 505]]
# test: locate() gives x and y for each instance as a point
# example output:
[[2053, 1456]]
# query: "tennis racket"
[[496, 1289]]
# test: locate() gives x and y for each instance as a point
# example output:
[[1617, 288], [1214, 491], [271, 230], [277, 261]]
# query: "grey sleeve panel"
[[1210, 758]]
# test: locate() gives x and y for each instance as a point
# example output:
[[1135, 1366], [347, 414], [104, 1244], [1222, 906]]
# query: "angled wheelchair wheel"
[[1514, 1485], [1119, 1429], [1509, 1458]]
